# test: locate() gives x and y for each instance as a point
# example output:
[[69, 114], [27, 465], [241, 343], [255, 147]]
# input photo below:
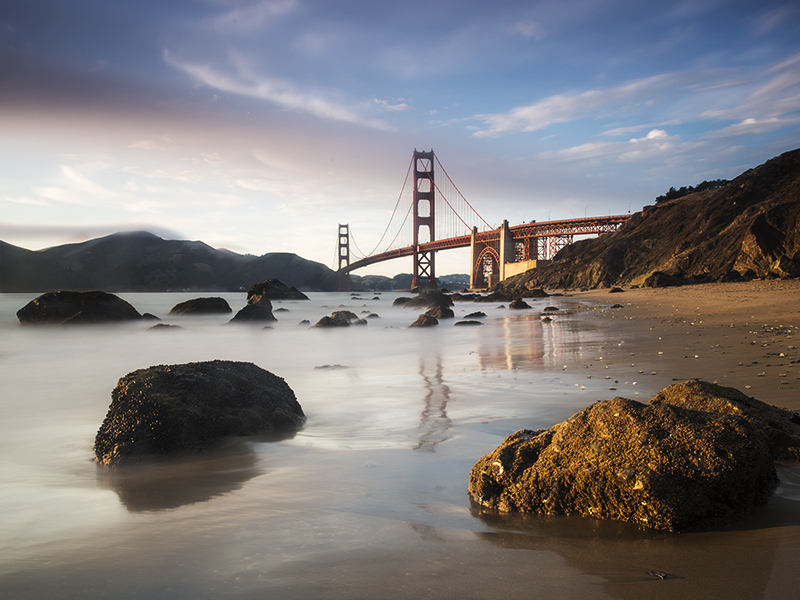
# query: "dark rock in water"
[[617, 306], [425, 321], [615, 290], [304, 322], [163, 327], [440, 312], [281, 309], [373, 316], [476, 315], [660, 466], [275, 290], [257, 309], [468, 323], [660, 279], [340, 318], [170, 410], [202, 306], [64, 307], [429, 299], [518, 304], [331, 322], [344, 315], [551, 309], [781, 426], [255, 313]]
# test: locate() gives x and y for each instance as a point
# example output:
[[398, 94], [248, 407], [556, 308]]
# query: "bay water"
[[368, 500]]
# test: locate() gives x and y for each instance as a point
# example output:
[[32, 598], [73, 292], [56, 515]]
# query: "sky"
[[261, 125]]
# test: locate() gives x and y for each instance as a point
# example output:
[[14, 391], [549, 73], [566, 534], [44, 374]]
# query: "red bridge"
[[496, 253]]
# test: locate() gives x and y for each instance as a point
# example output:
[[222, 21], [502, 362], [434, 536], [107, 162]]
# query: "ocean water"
[[368, 500]]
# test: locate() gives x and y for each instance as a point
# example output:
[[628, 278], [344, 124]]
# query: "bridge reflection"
[[434, 424]]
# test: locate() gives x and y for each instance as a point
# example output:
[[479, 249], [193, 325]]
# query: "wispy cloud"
[[242, 80], [562, 108]]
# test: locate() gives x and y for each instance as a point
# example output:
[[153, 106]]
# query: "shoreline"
[[742, 335]]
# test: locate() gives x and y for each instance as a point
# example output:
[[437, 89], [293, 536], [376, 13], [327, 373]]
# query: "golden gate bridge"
[[441, 218]]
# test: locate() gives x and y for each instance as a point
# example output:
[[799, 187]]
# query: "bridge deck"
[[584, 226]]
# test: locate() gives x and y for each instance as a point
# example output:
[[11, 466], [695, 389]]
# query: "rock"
[[551, 309], [274, 289], [425, 321], [781, 426], [329, 322], [170, 410], [518, 304], [476, 315], [615, 290], [660, 466], [255, 313], [440, 311], [344, 315], [258, 308], [468, 323], [785, 267], [163, 327], [430, 299], [64, 307], [202, 306], [304, 322], [617, 306], [659, 279]]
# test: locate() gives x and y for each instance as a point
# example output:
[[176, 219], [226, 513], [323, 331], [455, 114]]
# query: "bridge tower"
[[424, 217], [343, 253]]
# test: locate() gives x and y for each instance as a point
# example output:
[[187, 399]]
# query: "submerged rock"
[[518, 304], [661, 466], [170, 410], [202, 306], [72, 308]]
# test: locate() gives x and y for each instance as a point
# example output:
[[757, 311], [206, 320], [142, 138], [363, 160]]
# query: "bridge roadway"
[[584, 226]]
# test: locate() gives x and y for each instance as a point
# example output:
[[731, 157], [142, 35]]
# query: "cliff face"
[[748, 229], [141, 261]]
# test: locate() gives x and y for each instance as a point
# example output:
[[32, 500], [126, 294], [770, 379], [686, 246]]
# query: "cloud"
[[529, 29], [656, 142], [243, 81], [399, 106], [563, 108]]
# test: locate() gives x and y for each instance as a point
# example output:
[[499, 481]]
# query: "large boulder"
[[69, 308], [659, 466], [781, 426], [171, 410], [275, 290], [202, 306]]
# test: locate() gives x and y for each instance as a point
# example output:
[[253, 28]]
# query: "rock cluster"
[[660, 465], [170, 410], [72, 308]]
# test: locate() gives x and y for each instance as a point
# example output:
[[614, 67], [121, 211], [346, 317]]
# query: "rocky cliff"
[[747, 229]]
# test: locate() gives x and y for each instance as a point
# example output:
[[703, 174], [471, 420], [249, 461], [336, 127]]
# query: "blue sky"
[[259, 126]]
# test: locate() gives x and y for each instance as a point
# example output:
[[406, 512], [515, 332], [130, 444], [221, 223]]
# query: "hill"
[[749, 228], [143, 262]]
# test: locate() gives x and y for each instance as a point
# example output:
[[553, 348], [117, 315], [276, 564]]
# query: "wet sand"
[[743, 335]]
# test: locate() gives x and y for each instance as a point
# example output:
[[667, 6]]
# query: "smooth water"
[[368, 500]]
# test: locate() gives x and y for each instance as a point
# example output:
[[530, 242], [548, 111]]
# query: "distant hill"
[[749, 228], [143, 262]]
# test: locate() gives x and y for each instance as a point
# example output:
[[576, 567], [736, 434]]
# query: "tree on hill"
[[672, 194]]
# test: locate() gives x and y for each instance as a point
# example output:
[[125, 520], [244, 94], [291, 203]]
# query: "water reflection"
[[434, 423], [524, 341], [636, 563], [167, 485]]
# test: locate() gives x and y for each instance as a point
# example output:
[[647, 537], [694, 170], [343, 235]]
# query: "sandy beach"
[[742, 335]]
